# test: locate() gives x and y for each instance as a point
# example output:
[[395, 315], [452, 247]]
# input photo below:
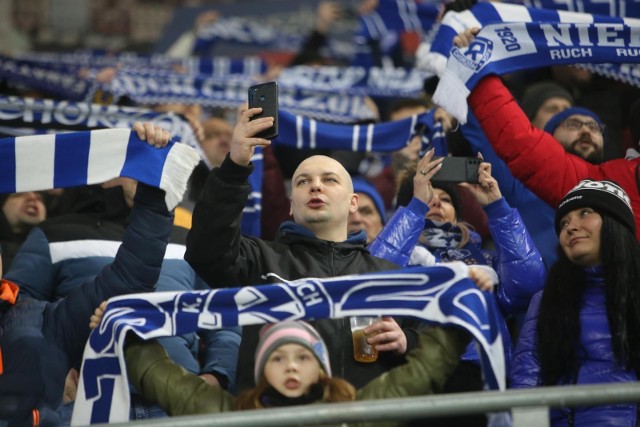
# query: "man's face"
[[584, 140], [322, 194], [548, 109], [365, 218], [24, 210], [217, 140]]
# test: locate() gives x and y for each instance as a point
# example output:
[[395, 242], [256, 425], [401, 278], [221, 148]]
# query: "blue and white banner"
[[432, 56], [44, 78], [43, 162], [325, 93], [397, 16], [245, 31], [507, 47], [353, 81], [621, 8], [440, 295], [49, 114], [232, 92], [218, 66], [304, 133], [385, 26]]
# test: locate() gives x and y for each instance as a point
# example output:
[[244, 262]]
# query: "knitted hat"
[[360, 185], [274, 335], [555, 121], [603, 196], [536, 95]]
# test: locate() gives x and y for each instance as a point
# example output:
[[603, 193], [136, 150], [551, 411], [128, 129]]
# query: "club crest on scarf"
[[477, 55]]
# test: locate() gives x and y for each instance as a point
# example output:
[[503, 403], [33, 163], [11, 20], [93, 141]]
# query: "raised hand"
[[96, 317], [481, 278], [151, 133], [464, 38], [422, 189], [243, 142], [487, 190]]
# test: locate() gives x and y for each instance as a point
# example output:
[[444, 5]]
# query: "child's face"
[[292, 369]]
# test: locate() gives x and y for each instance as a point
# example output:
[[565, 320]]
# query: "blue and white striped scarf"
[[247, 32], [628, 8], [387, 24], [231, 92], [439, 295], [43, 162], [301, 132], [507, 47], [71, 63], [432, 55], [48, 114], [329, 93]]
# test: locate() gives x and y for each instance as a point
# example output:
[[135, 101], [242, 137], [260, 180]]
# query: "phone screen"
[[265, 96]]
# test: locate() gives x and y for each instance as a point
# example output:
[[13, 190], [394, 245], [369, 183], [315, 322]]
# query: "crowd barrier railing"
[[528, 407]]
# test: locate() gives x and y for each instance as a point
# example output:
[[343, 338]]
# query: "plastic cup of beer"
[[362, 351]]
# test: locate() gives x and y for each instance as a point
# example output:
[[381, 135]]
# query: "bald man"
[[315, 244]]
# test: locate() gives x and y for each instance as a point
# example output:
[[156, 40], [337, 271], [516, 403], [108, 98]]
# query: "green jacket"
[[180, 392]]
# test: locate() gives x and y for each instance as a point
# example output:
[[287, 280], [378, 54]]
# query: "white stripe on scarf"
[[507, 47], [441, 295], [43, 162]]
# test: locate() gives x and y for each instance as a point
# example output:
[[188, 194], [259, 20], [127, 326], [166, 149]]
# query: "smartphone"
[[265, 96], [458, 169]]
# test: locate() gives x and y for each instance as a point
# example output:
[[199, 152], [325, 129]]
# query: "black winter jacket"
[[224, 258]]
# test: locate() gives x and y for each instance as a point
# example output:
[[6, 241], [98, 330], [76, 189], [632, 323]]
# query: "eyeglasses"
[[575, 124]]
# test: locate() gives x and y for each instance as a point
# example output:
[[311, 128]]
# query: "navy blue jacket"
[[64, 252], [596, 360], [40, 341]]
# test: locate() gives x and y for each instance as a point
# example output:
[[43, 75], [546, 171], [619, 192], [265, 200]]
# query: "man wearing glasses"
[[550, 162], [580, 131]]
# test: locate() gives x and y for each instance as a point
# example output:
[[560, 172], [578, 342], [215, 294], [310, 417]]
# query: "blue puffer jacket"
[[40, 341], [517, 262], [597, 363]]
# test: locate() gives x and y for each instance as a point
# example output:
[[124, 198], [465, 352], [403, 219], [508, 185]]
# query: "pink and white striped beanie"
[[274, 335]]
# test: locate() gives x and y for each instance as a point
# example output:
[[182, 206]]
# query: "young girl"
[[292, 368]]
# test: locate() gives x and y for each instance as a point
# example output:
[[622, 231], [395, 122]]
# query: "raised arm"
[[136, 267], [519, 264], [214, 242]]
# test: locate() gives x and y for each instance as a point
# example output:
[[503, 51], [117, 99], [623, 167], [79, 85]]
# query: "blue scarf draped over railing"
[[439, 295]]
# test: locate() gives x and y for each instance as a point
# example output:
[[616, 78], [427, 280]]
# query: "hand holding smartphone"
[[265, 96], [458, 169]]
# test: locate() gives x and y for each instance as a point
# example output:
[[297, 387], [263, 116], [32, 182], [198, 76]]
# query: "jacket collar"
[[291, 227]]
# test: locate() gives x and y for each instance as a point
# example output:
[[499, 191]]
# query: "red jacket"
[[535, 157]]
